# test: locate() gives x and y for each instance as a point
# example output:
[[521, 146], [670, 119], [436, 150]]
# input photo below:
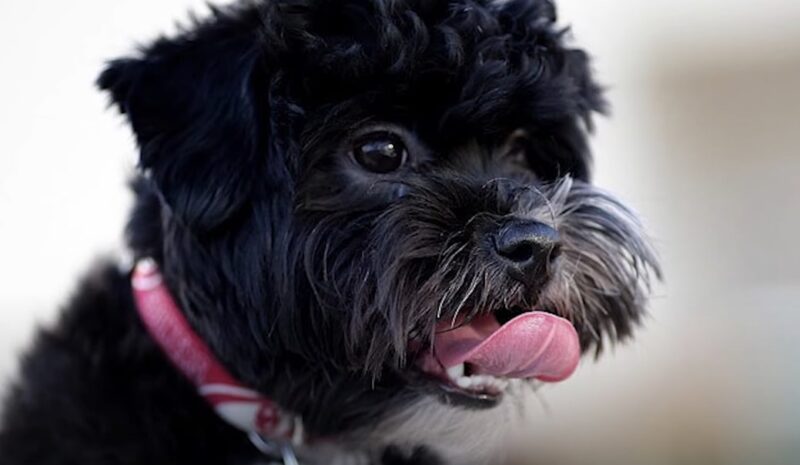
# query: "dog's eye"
[[380, 152]]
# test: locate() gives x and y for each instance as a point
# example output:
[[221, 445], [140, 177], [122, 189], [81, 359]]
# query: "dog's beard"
[[418, 264], [402, 270]]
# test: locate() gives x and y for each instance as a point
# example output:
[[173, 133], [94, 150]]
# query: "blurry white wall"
[[706, 110], [702, 140], [64, 157]]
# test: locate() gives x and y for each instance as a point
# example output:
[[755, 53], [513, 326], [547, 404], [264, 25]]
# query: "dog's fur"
[[315, 281]]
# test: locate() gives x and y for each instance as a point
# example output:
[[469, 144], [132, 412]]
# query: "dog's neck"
[[243, 408]]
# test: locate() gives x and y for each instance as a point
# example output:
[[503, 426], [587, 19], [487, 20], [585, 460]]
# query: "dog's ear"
[[565, 140], [568, 97], [194, 109]]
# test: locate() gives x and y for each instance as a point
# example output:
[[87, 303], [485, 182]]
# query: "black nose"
[[527, 248]]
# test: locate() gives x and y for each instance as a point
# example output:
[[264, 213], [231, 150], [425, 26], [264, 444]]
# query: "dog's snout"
[[526, 249]]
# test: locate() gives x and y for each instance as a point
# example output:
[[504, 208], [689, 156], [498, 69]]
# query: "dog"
[[364, 231]]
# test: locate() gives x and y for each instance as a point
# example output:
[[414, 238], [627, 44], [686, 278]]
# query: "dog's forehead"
[[459, 67]]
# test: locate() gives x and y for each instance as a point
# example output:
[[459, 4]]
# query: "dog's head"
[[348, 197]]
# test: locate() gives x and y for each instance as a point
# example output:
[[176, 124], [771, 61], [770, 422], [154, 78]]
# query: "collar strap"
[[243, 408]]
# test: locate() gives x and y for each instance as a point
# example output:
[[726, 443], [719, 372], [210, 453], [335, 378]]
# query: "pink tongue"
[[533, 345]]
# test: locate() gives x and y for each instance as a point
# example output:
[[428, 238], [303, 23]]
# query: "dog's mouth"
[[475, 360]]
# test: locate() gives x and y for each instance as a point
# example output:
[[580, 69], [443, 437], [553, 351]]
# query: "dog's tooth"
[[497, 384], [464, 382], [481, 383], [456, 371], [478, 380]]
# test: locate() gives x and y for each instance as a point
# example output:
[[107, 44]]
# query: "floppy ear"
[[563, 90], [194, 110]]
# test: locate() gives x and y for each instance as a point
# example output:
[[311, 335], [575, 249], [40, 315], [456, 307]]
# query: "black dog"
[[368, 210]]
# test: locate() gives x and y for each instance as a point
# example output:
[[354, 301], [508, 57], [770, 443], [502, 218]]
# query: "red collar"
[[243, 408]]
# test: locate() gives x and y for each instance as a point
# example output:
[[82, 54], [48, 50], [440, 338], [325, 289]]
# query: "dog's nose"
[[527, 248]]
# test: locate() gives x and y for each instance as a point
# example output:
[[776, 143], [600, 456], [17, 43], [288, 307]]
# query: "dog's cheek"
[[607, 266]]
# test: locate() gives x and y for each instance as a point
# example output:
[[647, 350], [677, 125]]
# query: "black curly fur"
[[306, 276]]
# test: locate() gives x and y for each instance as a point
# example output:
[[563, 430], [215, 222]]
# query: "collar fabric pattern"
[[241, 407]]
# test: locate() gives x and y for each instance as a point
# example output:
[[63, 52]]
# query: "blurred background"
[[702, 141]]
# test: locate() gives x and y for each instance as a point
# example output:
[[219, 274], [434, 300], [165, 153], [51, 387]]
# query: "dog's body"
[[329, 188]]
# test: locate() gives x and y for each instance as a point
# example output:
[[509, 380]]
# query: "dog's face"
[[349, 197]]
